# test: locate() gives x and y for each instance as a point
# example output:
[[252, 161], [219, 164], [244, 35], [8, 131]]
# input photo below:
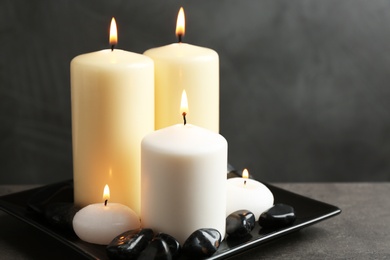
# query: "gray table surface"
[[361, 231]]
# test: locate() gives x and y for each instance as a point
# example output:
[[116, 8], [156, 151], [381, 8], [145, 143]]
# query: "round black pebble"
[[280, 215], [61, 214], [173, 244], [129, 244], [240, 223], [157, 249], [202, 243]]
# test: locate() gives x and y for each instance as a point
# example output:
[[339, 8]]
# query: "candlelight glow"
[[180, 24], [113, 33], [245, 174], [184, 103], [106, 193]]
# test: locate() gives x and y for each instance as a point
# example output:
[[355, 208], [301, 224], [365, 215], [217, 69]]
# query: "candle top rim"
[[238, 182], [109, 204], [184, 140], [182, 50], [117, 57]]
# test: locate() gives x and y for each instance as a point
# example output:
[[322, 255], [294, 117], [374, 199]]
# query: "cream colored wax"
[[183, 180], [112, 110], [181, 66]]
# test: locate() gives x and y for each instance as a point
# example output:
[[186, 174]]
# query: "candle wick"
[[179, 36], [245, 182], [184, 118], [105, 202], [112, 47]]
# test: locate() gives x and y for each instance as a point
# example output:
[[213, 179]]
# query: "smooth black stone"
[[158, 249], [59, 192], [280, 215], [61, 215], [173, 244], [129, 244], [240, 223], [202, 243]]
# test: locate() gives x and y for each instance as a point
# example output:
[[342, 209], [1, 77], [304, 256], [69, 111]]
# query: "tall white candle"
[[112, 110], [183, 171], [181, 65]]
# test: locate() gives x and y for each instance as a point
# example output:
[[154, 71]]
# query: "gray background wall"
[[304, 84]]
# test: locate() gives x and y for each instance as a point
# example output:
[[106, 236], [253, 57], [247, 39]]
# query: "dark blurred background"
[[304, 84]]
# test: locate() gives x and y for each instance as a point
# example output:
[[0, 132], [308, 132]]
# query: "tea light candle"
[[195, 68], [112, 110], [247, 194], [183, 180], [100, 223]]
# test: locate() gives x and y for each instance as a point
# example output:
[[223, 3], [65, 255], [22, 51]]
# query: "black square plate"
[[308, 212]]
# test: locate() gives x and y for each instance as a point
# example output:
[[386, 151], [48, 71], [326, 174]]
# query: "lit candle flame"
[[106, 194], [184, 106], [180, 24], [245, 175], [113, 34]]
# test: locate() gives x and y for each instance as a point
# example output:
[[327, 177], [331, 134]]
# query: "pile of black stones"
[[146, 244], [203, 243]]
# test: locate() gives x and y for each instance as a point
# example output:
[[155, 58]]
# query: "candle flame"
[[113, 33], [184, 103], [106, 193], [180, 24], [245, 174]]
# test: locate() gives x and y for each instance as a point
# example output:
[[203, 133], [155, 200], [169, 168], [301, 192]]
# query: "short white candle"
[[183, 180], [100, 223], [195, 68], [249, 194]]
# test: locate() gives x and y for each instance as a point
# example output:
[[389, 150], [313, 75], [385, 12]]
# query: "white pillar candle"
[[195, 68], [112, 110], [183, 180], [100, 223], [249, 194]]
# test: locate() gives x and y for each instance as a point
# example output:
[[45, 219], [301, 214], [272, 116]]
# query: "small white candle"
[[181, 65], [249, 194], [100, 223], [183, 180]]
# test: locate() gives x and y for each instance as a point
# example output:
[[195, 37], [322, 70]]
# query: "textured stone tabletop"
[[361, 231]]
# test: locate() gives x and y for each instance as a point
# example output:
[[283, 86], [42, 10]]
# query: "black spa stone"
[[280, 215], [202, 243], [240, 223], [61, 214], [129, 244], [173, 244], [158, 249]]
